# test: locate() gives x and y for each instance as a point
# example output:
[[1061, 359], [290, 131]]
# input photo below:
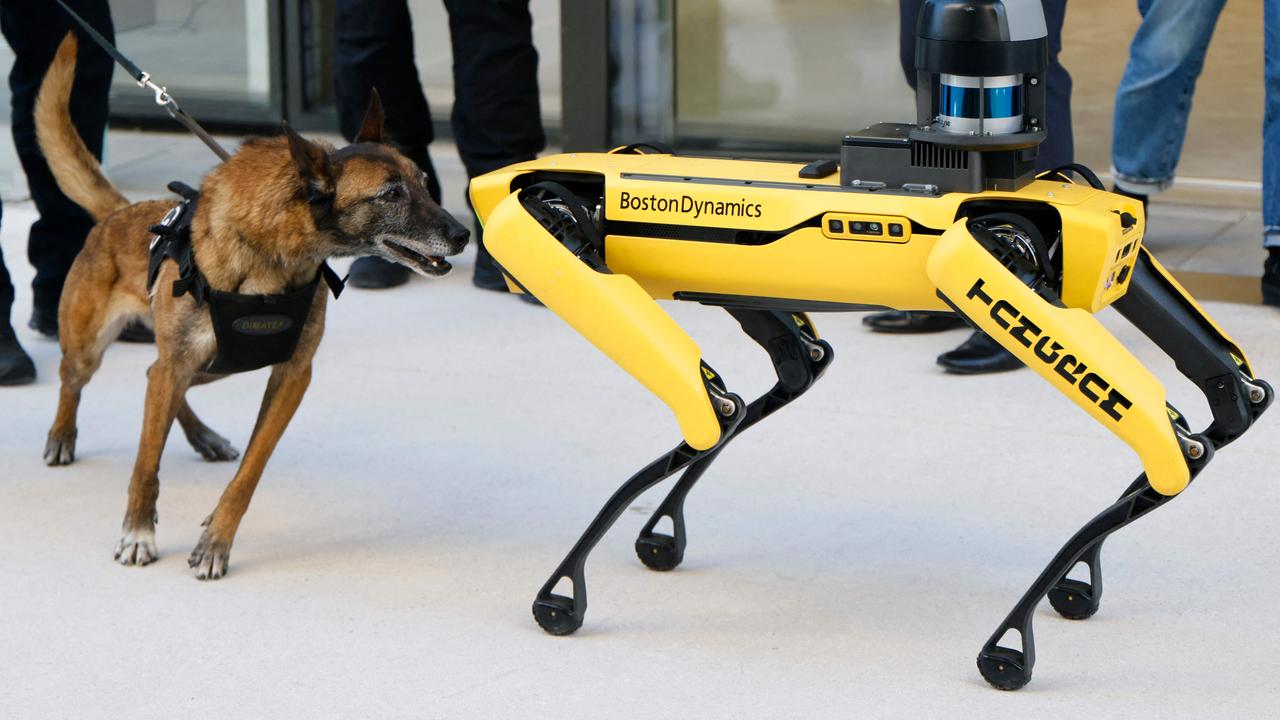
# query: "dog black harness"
[[251, 331]]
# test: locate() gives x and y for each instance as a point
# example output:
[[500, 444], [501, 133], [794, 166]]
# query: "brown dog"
[[266, 221]]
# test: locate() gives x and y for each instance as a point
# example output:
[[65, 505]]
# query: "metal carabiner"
[[163, 99]]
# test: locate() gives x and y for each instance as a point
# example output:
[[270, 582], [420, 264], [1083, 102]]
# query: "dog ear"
[[371, 128], [312, 163]]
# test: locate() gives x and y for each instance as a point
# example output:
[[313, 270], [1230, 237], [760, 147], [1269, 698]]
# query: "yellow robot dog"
[[944, 214]]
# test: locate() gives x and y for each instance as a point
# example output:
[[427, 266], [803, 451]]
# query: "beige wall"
[[1224, 136]]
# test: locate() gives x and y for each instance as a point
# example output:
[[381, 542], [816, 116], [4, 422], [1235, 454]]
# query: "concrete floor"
[[847, 558]]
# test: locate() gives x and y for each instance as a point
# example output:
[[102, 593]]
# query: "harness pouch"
[[254, 331], [251, 331]]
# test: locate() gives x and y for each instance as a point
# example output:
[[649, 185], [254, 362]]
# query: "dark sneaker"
[[372, 273], [1136, 196], [1271, 279], [16, 367], [44, 321], [978, 355], [487, 276], [899, 321]]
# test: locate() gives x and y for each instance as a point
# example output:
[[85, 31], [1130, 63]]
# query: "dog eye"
[[390, 194]]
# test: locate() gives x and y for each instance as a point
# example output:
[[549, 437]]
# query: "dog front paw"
[[210, 558], [60, 449], [137, 547], [212, 446]]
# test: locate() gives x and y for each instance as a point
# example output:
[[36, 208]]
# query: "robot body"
[[944, 214]]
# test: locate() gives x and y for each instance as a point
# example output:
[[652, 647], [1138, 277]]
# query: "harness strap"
[[173, 241]]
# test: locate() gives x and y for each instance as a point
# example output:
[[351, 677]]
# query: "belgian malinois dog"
[[267, 219]]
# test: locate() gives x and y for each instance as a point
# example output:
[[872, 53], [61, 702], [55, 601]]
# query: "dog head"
[[369, 199]]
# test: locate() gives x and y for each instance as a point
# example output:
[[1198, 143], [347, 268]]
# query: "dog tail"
[[78, 173]]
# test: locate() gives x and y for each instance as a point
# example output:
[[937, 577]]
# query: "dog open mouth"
[[424, 264]]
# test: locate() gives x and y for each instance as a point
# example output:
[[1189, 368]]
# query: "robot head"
[[980, 72]]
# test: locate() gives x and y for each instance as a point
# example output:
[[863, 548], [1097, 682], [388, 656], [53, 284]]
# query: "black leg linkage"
[[1158, 308], [799, 359], [560, 615], [1202, 355], [1010, 669], [1079, 599]]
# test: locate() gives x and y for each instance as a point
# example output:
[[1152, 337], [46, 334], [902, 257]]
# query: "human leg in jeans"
[[497, 118], [1154, 97], [1271, 154]]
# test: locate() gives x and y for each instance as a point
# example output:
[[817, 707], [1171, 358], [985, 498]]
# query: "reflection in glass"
[[217, 49]]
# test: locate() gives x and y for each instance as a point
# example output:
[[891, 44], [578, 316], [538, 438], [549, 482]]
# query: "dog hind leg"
[[87, 327], [211, 446]]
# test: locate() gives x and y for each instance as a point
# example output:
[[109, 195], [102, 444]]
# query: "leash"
[[143, 78]]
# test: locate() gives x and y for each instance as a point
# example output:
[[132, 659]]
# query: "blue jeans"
[[1154, 99]]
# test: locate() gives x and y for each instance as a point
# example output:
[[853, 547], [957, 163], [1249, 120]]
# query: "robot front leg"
[[986, 277], [1164, 312], [799, 358]]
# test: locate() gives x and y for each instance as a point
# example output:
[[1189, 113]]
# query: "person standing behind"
[[497, 118], [33, 29], [1154, 100], [980, 354]]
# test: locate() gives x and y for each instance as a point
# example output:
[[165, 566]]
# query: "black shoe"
[[137, 332], [1136, 196], [1271, 278], [977, 355], [44, 321], [899, 321], [486, 281], [487, 276], [374, 273], [16, 367]]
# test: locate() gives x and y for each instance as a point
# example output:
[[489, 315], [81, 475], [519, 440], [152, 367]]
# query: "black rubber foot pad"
[[1074, 599], [658, 552], [556, 615], [1004, 668]]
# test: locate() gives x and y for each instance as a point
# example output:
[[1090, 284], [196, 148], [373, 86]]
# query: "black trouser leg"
[[34, 28], [497, 118], [6, 287], [373, 47], [1059, 148]]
